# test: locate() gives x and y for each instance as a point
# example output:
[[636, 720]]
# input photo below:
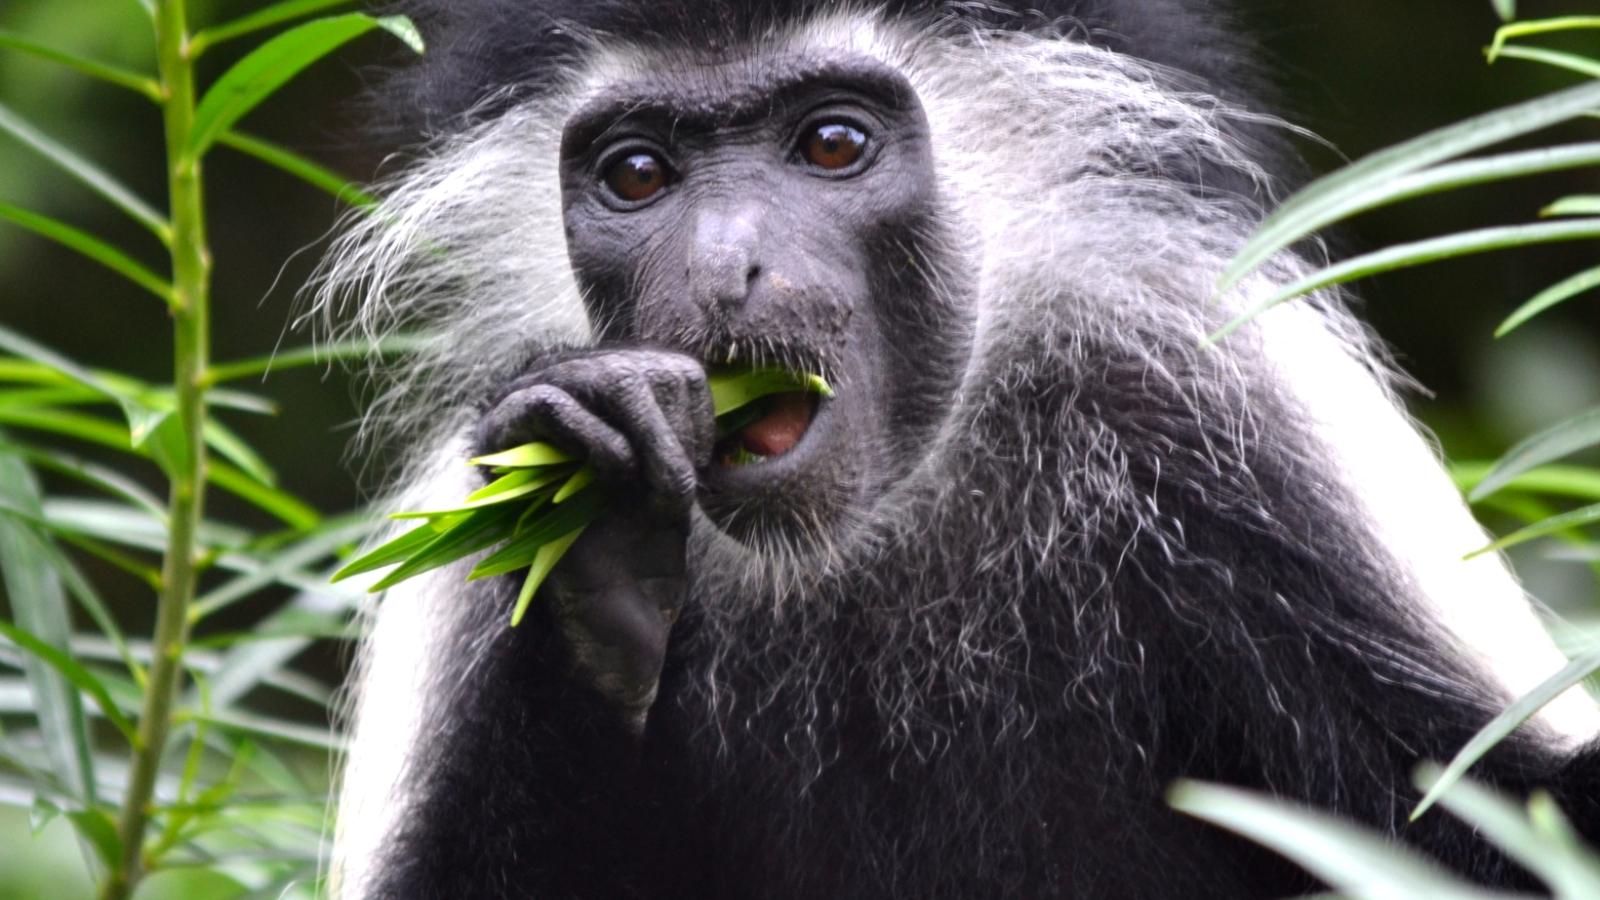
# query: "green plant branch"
[[191, 268]]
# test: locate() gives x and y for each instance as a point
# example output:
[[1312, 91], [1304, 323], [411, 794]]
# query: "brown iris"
[[833, 145], [637, 176]]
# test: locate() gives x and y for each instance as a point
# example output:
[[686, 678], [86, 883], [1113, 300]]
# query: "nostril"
[[752, 273]]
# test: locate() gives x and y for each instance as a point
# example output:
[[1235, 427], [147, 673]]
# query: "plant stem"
[[191, 267]]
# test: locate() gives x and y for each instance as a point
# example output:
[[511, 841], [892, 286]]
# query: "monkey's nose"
[[725, 259]]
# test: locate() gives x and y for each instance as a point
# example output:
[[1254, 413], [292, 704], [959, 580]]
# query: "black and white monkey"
[[951, 633]]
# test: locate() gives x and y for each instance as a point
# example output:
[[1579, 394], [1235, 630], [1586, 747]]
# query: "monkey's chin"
[[745, 494]]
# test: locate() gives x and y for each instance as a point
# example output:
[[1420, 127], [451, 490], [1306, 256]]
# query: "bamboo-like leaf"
[[90, 246], [278, 729], [319, 545], [1577, 518], [102, 478], [326, 354], [733, 390], [519, 484], [1319, 203], [276, 14], [271, 65], [91, 429], [1354, 862], [549, 554], [312, 173], [536, 453], [1533, 27], [38, 603], [86, 172], [1417, 253], [1575, 205], [577, 482], [133, 81], [1581, 667], [1572, 62], [1563, 866], [17, 344], [479, 530], [1580, 482], [149, 7], [1576, 433], [390, 552], [73, 672], [293, 511], [242, 668], [1505, 9], [1556, 293], [554, 522], [233, 448]]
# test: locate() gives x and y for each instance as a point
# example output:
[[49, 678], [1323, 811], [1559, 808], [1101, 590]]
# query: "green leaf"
[[233, 448], [320, 544], [733, 390], [276, 14], [279, 729], [74, 673], [39, 604], [1322, 202], [543, 563], [525, 456], [390, 552], [1575, 205], [1577, 518], [316, 175], [1505, 9], [293, 511], [1354, 862], [271, 65], [1572, 62], [1577, 433], [133, 81], [15, 343], [85, 428], [86, 172], [579, 480], [1563, 866], [1417, 253], [326, 354], [96, 827], [1559, 292], [1581, 667], [550, 524], [518, 484], [469, 535]]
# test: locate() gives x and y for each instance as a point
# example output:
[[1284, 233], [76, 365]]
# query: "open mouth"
[[765, 430]]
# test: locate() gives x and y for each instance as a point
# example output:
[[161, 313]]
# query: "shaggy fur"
[[1124, 560]]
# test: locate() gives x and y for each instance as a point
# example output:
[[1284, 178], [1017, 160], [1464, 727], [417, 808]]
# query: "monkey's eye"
[[637, 176], [833, 145]]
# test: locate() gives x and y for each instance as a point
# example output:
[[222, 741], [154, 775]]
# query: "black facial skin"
[[751, 247]]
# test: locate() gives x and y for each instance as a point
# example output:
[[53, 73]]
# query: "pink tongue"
[[776, 433]]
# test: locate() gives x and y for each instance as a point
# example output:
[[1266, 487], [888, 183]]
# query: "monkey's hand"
[[643, 419]]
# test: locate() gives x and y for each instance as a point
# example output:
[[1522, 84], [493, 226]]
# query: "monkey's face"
[[775, 213]]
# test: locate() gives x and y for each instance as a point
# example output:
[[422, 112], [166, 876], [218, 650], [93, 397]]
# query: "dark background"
[[1361, 74]]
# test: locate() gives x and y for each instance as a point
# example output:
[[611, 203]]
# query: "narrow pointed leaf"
[[91, 429], [390, 552], [331, 535], [1577, 518], [541, 480], [73, 672], [84, 171], [1577, 433], [1354, 862], [1580, 482], [271, 65], [133, 81], [1505, 9], [1581, 667], [293, 511], [316, 175], [19, 345], [326, 354], [579, 480], [1535, 27], [1560, 865], [1319, 203], [39, 603], [536, 453], [546, 559], [479, 530], [1556, 293], [733, 390], [1417, 253], [551, 524], [1572, 62], [276, 14], [233, 448], [1576, 205]]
